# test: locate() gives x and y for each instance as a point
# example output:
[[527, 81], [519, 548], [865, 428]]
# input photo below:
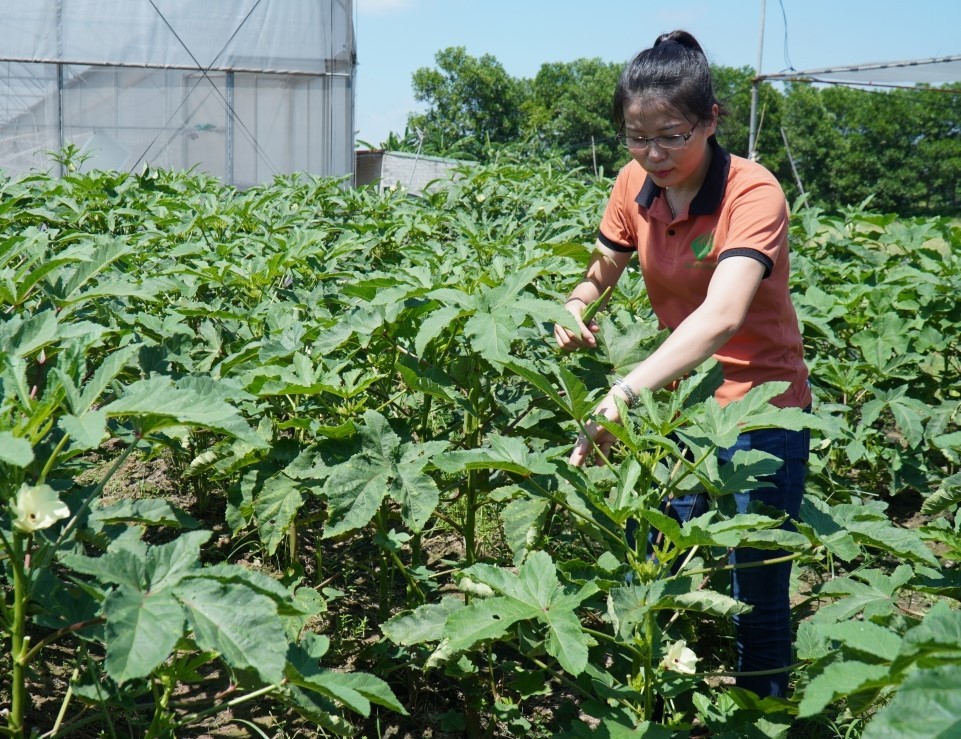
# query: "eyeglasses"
[[640, 143]]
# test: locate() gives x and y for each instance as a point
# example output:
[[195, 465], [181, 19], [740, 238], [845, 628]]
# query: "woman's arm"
[[605, 269], [700, 335]]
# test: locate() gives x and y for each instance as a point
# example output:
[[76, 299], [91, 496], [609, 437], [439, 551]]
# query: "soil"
[[434, 702], [351, 624]]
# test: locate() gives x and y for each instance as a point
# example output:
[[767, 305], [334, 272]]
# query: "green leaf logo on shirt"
[[702, 245]]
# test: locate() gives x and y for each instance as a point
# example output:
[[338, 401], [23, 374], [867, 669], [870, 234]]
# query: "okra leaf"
[[434, 325], [533, 594], [928, 704], [238, 623], [523, 519], [275, 507], [354, 491], [866, 637], [424, 624], [87, 430], [158, 403], [141, 631], [383, 466], [356, 690], [14, 450], [503, 453], [837, 680], [491, 335]]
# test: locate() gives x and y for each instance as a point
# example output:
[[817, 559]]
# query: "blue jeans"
[[764, 635]]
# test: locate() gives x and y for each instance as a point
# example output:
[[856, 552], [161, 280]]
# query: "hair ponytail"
[[675, 70], [683, 38]]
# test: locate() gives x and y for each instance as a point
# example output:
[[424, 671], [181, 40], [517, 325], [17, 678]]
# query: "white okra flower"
[[680, 659], [36, 507]]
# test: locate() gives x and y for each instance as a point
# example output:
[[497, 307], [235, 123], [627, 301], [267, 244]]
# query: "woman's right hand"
[[569, 341]]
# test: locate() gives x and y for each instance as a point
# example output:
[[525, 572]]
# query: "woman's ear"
[[711, 125]]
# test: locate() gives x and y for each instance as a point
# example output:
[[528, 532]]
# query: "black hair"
[[674, 70]]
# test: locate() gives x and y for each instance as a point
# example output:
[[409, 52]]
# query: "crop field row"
[[293, 461]]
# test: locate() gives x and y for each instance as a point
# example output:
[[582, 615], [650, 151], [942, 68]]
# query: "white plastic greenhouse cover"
[[242, 89], [910, 72]]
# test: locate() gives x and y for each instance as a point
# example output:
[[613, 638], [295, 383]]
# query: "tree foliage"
[[569, 108], [839, 146], [902, 148], [470, 102]]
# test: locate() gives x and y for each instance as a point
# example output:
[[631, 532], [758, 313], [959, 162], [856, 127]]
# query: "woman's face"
[[669, 167]]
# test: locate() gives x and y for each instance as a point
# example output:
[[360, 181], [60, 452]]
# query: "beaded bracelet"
[[631, 397]]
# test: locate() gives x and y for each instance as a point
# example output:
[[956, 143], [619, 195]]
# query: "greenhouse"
[[241, 89]]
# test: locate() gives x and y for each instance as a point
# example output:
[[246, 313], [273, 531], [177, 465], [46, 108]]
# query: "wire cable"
[[787, 55]]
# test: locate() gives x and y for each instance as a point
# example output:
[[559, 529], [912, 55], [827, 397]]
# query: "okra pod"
[[592, 309]]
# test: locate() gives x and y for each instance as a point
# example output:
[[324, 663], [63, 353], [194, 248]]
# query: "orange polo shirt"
[[740, 210]]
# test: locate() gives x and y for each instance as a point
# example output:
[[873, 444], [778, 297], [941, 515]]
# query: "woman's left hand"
[[599, 440]]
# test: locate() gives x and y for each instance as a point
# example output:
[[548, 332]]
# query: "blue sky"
[[396, 37]]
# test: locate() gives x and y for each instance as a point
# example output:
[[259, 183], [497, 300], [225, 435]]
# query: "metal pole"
[[60, 132], [752, 132], [787, 148], [229, 128]]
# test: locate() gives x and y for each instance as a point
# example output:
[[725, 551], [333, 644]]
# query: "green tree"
[[471, 103], [733, 87], [817, 143], [569, 109], [900, 148], [938, 144], [878, 128], [840, 146]]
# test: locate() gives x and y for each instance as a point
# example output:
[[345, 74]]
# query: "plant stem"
[[425, 418], [385, 571], [75, 519], [52, 459], [688, 557], [392, 399], [550, 496], [19, 642], [754, 673], [597, 449], [746, 565], [688, 470], [561, 677], [159, 722], [292, 544], [412, 587], [66, 701], [648, 668], [190, 718], [449, 521], [416, 544], [472, 438], [50, 638], [608, 638]]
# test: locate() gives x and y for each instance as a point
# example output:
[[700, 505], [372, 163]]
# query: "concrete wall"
[[414, 173]]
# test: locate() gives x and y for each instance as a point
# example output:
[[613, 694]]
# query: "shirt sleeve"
[[617, 225], [758, 224]]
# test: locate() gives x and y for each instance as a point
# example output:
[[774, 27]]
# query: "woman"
[[710, 231]]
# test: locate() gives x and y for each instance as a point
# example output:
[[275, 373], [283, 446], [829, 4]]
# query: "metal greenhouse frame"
[[894, 74], [242, 89]]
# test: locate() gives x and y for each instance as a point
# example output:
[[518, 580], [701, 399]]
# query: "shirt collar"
[[708, 198]]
